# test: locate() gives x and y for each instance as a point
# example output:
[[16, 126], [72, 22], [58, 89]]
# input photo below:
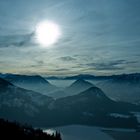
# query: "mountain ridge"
[[34, 82], [90, 107], [75, 88]]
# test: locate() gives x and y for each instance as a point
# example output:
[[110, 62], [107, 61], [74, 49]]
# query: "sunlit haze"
[[69, 37], [47, 33]]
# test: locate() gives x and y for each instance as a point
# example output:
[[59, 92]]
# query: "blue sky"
[[100, 37]]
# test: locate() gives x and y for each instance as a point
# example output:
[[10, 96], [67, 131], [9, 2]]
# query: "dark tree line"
[[16, 131]]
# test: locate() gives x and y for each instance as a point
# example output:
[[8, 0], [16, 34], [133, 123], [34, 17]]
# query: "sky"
[[100, 37]]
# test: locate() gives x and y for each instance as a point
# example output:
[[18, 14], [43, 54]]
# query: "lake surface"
[[78, 132]]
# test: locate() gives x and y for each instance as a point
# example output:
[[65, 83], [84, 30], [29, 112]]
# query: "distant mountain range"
[[93, 77], [35, 83], [89, 107], [124, 87], [127, 77]]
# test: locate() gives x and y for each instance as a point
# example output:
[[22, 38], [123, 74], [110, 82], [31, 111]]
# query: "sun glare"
[[47, 33]]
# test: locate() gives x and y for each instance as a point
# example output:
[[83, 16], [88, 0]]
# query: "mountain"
[[35, 83], [80, 76], [20, 104], [92, 95], [92, 77], [128, 78], [93, 107], [89, 107], [75, 88], [78, 86], [54, 78], [122, 88]]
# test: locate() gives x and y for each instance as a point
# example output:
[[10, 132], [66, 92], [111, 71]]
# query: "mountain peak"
[[95, 92], [31, 82], [78, 86], [26, 78], [80, 82]]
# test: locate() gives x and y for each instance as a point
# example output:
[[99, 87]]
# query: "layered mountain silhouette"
[[81, 76], [93, 107], [89, 107], [125, 77], [125, 87], [78, 86], [35, 83], [92, 95], [93, 98], [75, 88]]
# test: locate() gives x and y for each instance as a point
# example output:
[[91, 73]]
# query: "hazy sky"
[[98, 37]]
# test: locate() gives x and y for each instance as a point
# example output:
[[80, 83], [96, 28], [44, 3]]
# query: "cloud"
[[62, 69], [16, 40], [111, 65], [38, 63], [67, 58]]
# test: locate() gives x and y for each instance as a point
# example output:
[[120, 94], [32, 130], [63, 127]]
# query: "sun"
[[47, 33]]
